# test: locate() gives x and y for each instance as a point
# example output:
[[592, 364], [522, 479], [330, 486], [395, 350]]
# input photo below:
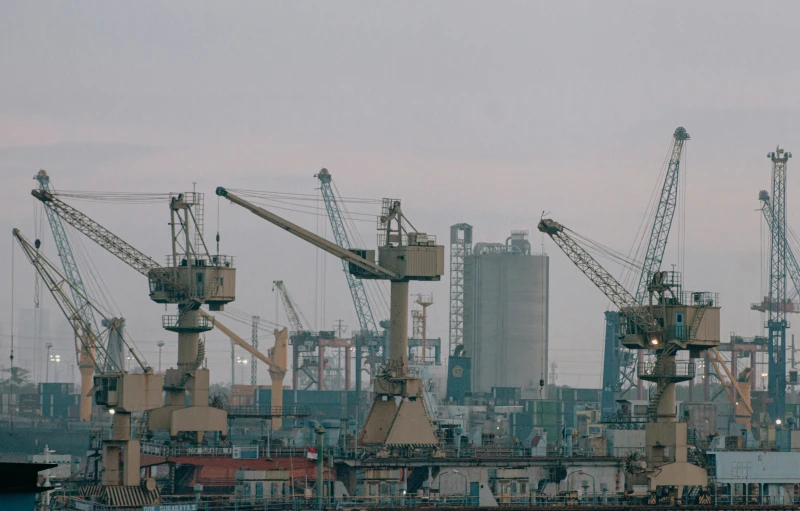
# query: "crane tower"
[[776, 322]]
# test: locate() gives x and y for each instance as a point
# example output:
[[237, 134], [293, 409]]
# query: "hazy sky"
[[479, 112]]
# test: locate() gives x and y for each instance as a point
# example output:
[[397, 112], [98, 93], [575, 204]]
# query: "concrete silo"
[[506, 304]]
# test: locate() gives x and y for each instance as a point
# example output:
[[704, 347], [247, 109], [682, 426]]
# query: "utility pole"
[[254, 343], [160, 345], [47, 365], [233, 364], [341, 328], [320, 467]]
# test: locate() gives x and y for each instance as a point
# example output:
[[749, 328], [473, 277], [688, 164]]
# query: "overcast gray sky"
[[479, 112]]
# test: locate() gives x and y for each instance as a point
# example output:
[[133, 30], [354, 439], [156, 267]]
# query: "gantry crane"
[[301, 336], [121, 393], [618, 368], [313, 344], [115, 359], [404, 255], [191, 278], [276, 361], [368, 337], [672, 320]]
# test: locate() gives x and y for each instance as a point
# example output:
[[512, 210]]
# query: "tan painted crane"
[[121, 393], [404, 255], [277, 361], [737, 388], [191, 278], [672, 320]]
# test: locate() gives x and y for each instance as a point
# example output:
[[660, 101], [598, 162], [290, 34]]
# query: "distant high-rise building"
[[506, 306]]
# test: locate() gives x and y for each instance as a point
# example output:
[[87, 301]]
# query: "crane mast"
[[665, 212], [619, 368], [776, 323]]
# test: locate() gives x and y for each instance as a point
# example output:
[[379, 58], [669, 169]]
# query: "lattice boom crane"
[[366, 319]]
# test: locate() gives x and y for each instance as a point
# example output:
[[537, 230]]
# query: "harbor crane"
[[311, 345], [190, 279], [398, 416], [777, 299], [276, 362], [116, 358], [368, 338], [302, 339], [671, 321], [792, 265], [120, 392], [618, 366]]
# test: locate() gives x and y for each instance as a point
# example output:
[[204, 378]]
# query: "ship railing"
[[539, 500], [275, 451], [287, 502], [165, 450], [754, 500]]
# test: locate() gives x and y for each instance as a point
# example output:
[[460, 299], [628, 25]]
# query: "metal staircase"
[[698, 318]]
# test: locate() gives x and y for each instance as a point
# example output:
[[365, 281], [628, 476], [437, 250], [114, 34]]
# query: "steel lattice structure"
[[366, 320], [665, 212], [792, 265], [777, 324], [460, 248], [619, 370], [73, 275], [295, 318], [120, 248], [628, 305]]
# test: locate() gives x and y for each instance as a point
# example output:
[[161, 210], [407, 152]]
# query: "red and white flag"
[[311, 453]]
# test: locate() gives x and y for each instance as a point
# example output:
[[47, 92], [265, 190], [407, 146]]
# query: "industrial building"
[[506, 315]]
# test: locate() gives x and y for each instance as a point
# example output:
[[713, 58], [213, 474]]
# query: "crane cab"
[[127, 393], [210, 280], [691, 319]]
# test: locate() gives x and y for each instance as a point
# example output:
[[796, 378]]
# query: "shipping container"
[[56, 388]]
